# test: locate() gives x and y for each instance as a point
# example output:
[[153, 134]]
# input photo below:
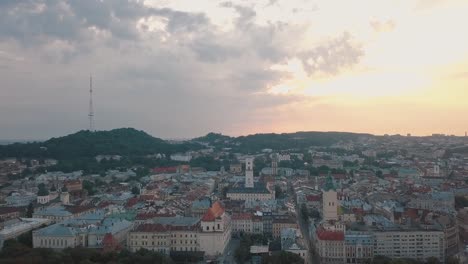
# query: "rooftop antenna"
[[91, 110]]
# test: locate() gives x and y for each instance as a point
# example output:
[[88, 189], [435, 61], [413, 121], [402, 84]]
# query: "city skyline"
[[176, 70]]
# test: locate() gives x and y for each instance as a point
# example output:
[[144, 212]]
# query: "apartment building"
[[419, 245]]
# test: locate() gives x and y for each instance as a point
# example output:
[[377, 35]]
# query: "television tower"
[[91, 110]]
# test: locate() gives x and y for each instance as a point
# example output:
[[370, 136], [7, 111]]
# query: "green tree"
[[224, 191], [379, 174], [461, 201], [433, 260], [26, 239], [89, 187], [278, 192], [42, 190], [135, 190], [283, 257], [30, 210], [453, 260], [304, 212]]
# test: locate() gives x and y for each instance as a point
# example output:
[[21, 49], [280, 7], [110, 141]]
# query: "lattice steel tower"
[[91, 109]]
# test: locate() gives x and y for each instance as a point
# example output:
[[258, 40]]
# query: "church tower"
[[274, 165], [249, 181], [330, 201]]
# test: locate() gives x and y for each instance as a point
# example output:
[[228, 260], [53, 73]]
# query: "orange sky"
[[412, 78]]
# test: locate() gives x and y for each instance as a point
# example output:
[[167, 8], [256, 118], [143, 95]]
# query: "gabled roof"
[[323, 234], [214, 212], [241, 216], [57, 230]]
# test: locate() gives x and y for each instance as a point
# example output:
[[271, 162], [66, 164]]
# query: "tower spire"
[[91, 109]]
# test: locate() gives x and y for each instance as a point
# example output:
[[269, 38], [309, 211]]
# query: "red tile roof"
[[160, 228], [131, 202], [323, 234], [214, 212], [76, 209], [313, 198], [9, 210], [161, 170], [242, 216], [147, 197]]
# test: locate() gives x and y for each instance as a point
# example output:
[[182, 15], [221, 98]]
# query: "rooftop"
[[214, 212]]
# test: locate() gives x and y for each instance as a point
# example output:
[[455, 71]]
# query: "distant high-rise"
[[249, 181], [91, 109]]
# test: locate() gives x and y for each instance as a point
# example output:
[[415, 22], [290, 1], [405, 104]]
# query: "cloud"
[[246, 14], [459, 75], [332, 56], [427, 4], [179, 78], [382, 26]]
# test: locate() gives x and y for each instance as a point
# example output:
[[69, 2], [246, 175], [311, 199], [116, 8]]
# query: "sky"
[[183, 68]]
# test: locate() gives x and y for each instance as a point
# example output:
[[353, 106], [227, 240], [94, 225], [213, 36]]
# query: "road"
[[228, 256], [304, 227]]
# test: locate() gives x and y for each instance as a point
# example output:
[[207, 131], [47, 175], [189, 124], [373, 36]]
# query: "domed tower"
[[42, 194]]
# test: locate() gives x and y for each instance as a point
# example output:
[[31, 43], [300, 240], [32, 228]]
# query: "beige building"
[[242, 223], [252, 194], [279, 224], [164, 238], [419, 245], [211, 234]]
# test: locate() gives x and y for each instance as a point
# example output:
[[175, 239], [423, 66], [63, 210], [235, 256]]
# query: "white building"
[[215, 231], [181, 157]]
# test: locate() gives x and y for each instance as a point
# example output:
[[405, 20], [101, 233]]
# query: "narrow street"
[[228, 256], [304, 227]]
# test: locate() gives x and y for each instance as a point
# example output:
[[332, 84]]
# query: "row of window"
[[161, 236], [54, 242]]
